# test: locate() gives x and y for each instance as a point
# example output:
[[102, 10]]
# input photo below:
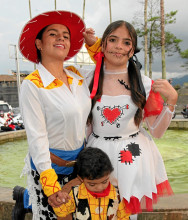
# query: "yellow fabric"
[[70, 207], [48, 180], [35, 78], [73, 69], [67, 208], [122, 213], [94, 49]]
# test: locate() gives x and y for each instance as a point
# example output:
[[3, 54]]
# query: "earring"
[[40, 49]]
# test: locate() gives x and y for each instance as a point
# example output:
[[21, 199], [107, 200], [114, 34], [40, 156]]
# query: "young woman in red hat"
[[55, 103], [122, 99]]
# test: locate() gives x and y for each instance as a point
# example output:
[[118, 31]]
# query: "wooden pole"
[[30, 18], [145, 37], [110, 11], [55, 5], [163, 39], [83, 15], [30, 9]]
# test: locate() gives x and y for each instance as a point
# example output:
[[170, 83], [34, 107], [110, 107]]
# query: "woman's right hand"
[[89, 36]]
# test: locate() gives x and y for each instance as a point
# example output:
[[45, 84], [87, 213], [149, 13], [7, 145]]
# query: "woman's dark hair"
[[138, 94], [93, 163], [39, 36]]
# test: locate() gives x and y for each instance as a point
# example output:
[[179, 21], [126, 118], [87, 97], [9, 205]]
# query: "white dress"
[[139, 170]]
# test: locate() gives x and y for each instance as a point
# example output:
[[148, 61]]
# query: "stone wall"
[[11, 136], [9, 93], [179, 124], [182, 97]]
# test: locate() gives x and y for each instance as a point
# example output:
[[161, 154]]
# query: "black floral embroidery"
[[134, 135], [123, 83], [112, 138]]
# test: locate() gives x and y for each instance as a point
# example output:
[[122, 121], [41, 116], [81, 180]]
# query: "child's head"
[[120, 41], [114, 26], [94, 167]]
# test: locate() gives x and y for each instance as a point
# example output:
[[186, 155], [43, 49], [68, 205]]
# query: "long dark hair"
[[138, 94]]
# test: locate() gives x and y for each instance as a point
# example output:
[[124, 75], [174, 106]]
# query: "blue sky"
[[15, 13]]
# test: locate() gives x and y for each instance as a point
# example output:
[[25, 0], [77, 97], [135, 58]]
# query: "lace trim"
[[114, 72], [32, 200]]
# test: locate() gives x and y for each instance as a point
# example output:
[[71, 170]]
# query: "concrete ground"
[[168, 208]]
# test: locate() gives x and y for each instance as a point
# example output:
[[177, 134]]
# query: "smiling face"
[[55, 43], [97, 185], [117, 48]]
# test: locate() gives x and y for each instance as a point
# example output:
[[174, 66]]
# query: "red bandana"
[[101, 194]]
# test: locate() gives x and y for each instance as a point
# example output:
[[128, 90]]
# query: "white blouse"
[[54, 117]]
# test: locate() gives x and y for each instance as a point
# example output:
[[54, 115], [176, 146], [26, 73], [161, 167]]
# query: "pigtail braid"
[[138, 94]]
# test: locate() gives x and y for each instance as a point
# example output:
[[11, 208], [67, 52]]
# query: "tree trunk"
[[150, 53], [145, 36], [163, 39]]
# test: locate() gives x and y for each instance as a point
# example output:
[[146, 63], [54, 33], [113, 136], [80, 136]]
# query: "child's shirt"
[[84, 206]]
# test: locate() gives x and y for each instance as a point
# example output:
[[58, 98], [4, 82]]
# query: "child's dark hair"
[[136, 86], [93, 163]]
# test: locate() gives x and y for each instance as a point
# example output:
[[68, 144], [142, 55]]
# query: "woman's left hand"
[[166, 89]]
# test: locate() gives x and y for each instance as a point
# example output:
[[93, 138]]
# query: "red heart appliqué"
[[111, 114]]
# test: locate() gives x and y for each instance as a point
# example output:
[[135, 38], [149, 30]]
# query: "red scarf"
[[101, 194]]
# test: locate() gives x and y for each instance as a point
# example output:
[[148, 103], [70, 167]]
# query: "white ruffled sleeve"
[[157, 125]]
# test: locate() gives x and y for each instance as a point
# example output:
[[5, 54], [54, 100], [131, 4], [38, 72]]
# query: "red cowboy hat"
[[72, 21]]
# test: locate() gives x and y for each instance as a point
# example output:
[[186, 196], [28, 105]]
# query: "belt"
[[60, 162]]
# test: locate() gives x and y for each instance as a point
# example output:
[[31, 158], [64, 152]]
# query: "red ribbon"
[[98, 57]]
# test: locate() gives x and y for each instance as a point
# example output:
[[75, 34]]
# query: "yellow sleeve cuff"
[[67, 208], [48, 180], [94, 49]]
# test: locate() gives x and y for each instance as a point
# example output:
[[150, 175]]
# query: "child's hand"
[[89, 36], [61, 198], [165, 89]]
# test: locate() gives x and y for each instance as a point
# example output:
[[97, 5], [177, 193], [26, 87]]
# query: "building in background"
[[9, 90]]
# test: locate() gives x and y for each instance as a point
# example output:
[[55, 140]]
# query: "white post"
[[30, 15], [17, 71]]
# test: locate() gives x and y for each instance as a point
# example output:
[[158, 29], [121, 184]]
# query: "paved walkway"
[[176, 202], [169, 208]]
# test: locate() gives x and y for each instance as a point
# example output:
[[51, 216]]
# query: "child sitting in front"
[[96, 198]]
